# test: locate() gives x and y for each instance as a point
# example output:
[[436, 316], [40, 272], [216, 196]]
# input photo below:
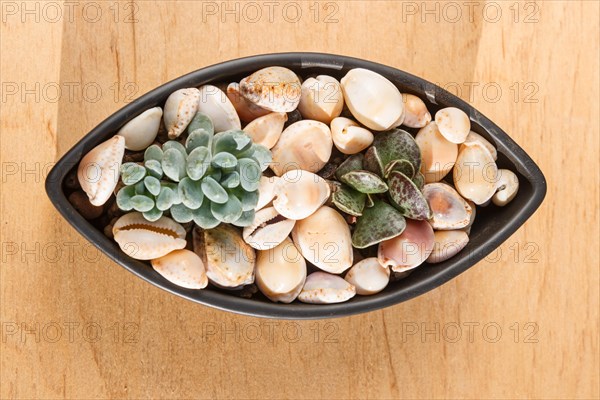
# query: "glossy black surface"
[[492, 227]]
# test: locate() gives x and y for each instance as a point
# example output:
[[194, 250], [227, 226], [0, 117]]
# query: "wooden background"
[[522, 323]]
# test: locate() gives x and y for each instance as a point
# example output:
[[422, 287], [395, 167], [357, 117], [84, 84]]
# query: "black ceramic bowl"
[[492, 227]]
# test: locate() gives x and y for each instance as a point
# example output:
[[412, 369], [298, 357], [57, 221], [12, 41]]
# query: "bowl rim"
[[299, 311]]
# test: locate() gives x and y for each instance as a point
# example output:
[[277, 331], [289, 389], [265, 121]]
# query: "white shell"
[[438, 155], [416, 113], [321, 99], [180, 109], [145, 240], [508, 186], [264, 234], [273, 88], [349, 137], [246, 110], [267, 129], [280, 272], [303, 145], [449, 210], [324, 288], [98, 171], [410, 249], [475, 173], [473, 206], [228, 259], [182, 267], [372, 99], [447, 245], [140, 132], [476, 137], [300, 193], [453, 123], [368, 276], [266, 191], [214, 103], [324, 240]]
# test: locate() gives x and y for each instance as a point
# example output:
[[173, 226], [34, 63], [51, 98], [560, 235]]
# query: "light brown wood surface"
[[76, 325]]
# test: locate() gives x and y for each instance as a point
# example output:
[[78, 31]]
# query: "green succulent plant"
[[209, 179], [382, 187]]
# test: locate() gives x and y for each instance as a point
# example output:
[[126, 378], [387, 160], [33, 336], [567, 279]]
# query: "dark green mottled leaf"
[[403, 166], [352, 163], [378, 223], [365, 182], [397, 144], [349, 200], [372, 162], [370, 202], [407, 197], [419, 180]]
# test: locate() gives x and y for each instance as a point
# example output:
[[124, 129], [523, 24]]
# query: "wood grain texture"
[[523, 323]]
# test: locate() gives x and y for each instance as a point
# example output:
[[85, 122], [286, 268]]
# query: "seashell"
[[415, 110], [447, 245], [438, 154], [140, 132], [180, 108], [268, 230], [324, 288], [145, 240], [368, 276], [273, 88], [372, 99], [303, 145], [410, 249], [228, 259], [280, 272], [246, 110], [449, 210], [267, 129], [300, 193], [324, 240], [467, 228], [266, 190], [214, 103], [321, 99], [98, 171], [476, 137], [349, 137], [182, 267], [453, 123], [507, 186], [475, 173]]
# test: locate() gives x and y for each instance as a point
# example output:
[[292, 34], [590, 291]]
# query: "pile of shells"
[[312, 190]]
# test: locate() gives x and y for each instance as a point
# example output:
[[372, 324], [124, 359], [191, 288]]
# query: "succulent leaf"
[[373, 162], [152, 185], [249, 199], [190, 193], [165, 199], [365, 182], [349, 200], [198, 162], [246, 219], [201, 121], [181, 213], [403, 166], [227, 212], [224, 160], [260, 154], [153, 152], [250, 174], [213, 190], [378, 223], [352, 163], [198, 138], [231, 180], [419, 180], [172, 144], [142, 203], [173, 164], [153, 215], [204, 218], [397, 144], [132, 173], [154, 168], [124, 198], [407, 197]]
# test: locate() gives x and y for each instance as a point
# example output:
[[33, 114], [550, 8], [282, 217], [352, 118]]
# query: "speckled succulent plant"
[[209, 179], [390, 166]]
